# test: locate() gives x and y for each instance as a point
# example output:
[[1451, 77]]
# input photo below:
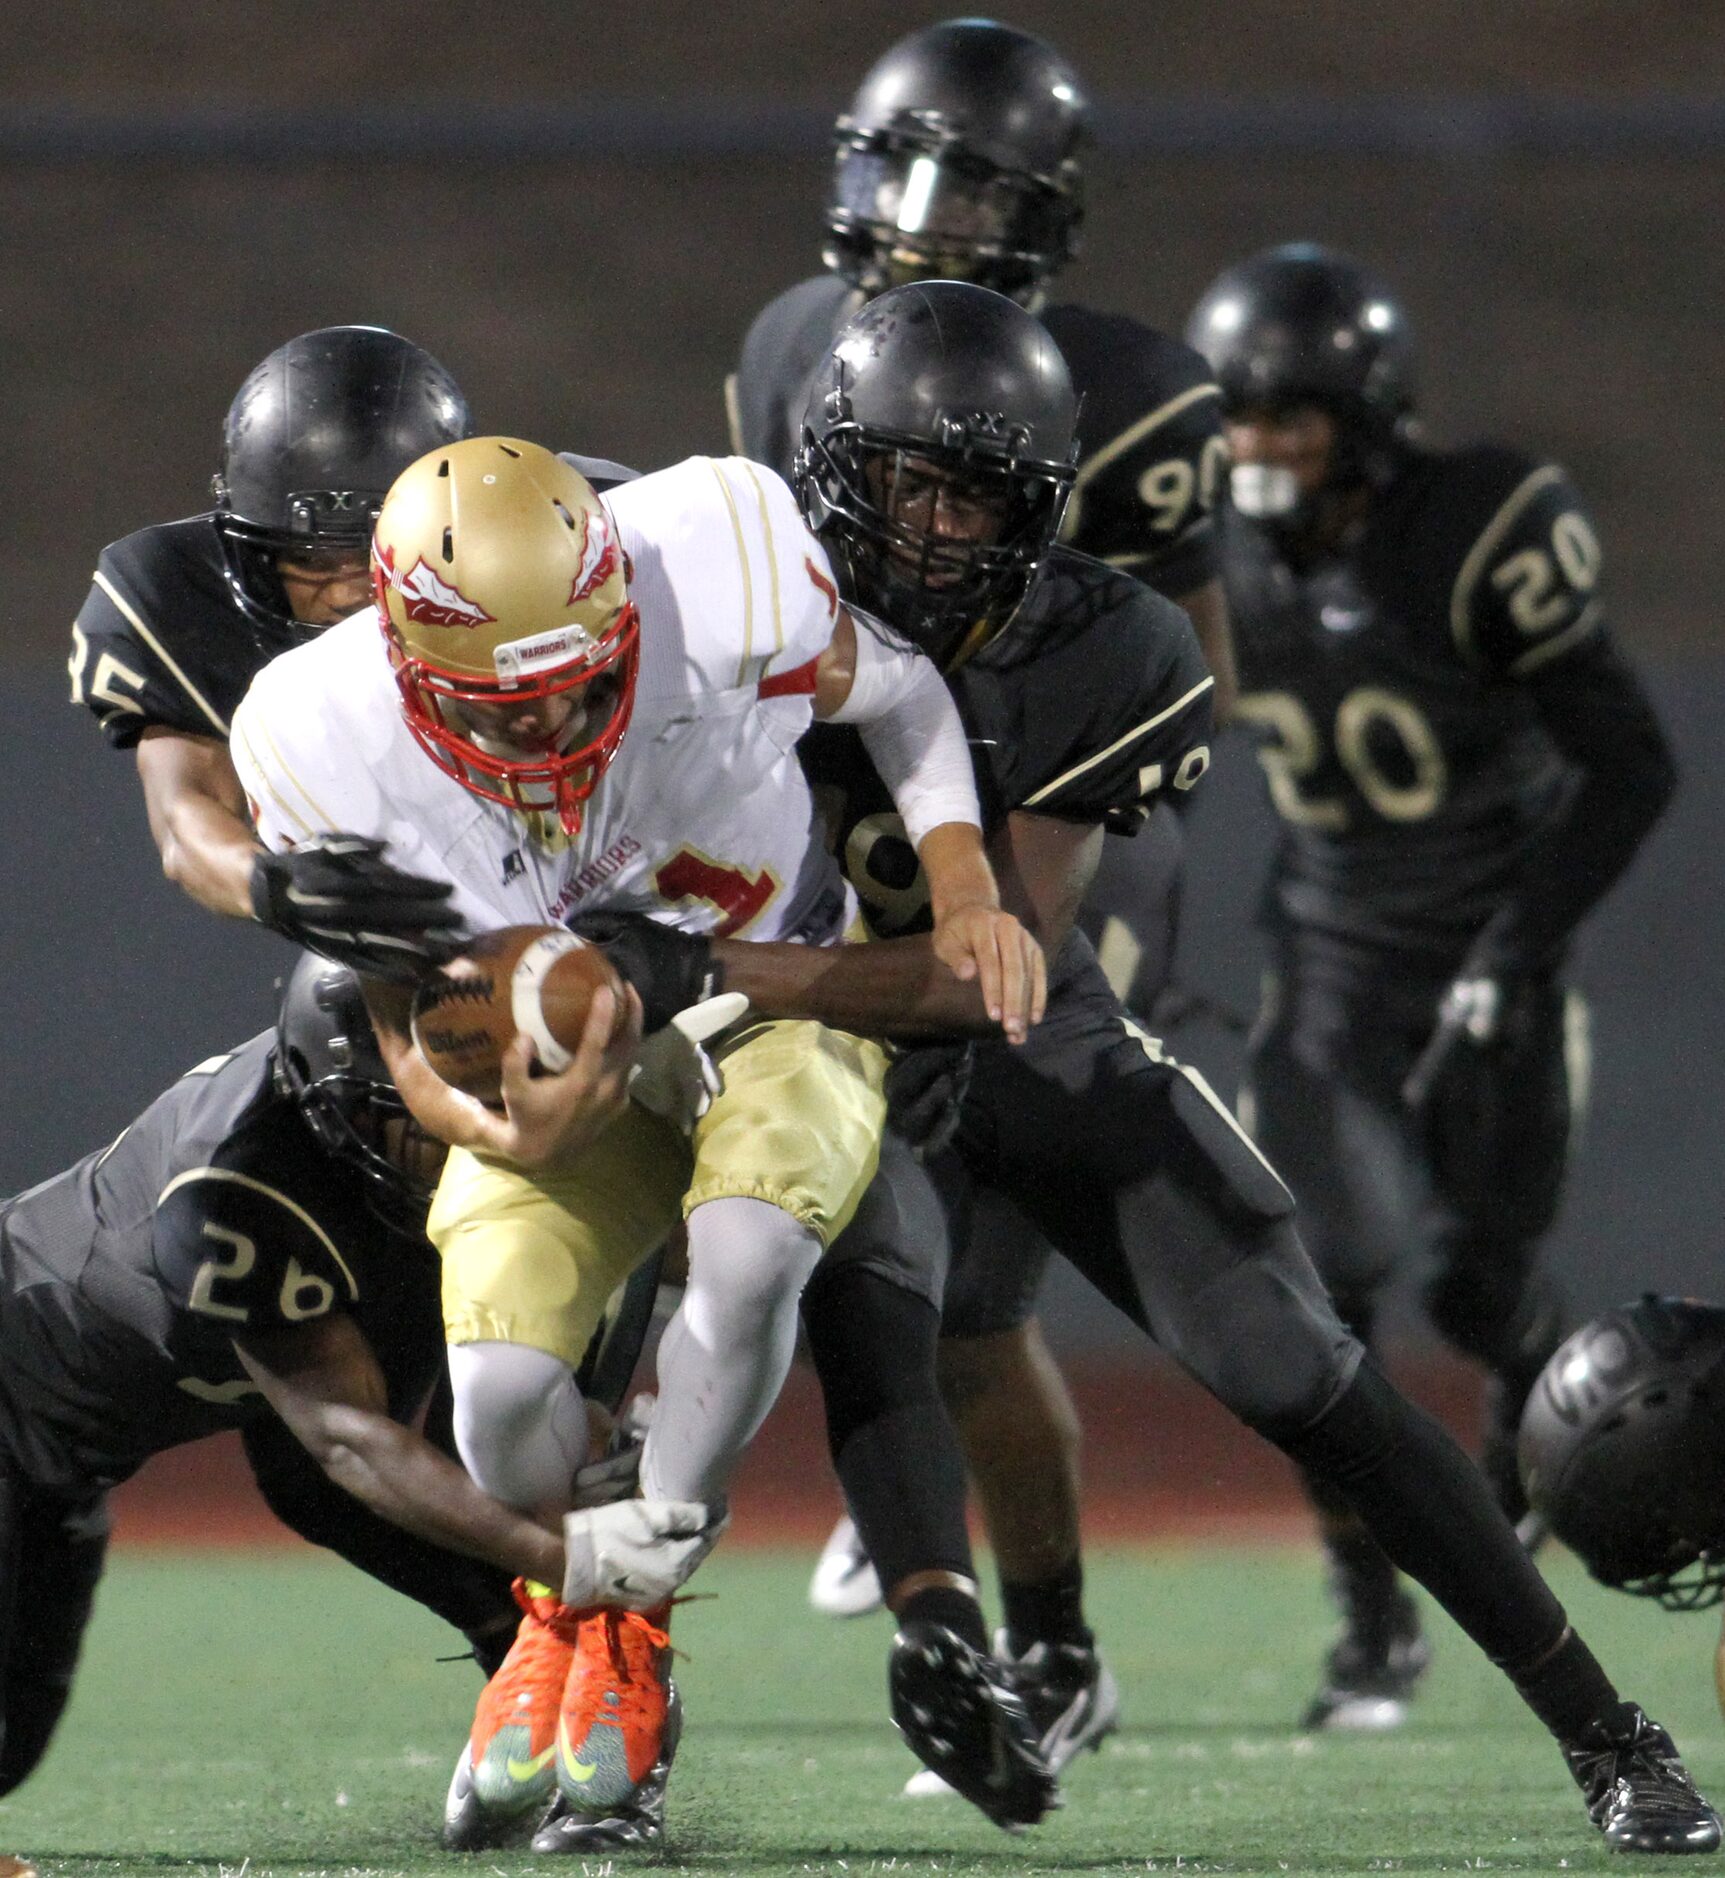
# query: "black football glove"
[[669, 969], [336, 895], [925, 1090]]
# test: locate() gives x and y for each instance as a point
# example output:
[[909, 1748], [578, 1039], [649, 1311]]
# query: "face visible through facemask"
[[1283, 459]]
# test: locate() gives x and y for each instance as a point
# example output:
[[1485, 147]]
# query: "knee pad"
[[1264, 1338], [520, 1423]]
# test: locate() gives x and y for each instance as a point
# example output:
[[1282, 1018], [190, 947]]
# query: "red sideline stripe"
[[798, 683]]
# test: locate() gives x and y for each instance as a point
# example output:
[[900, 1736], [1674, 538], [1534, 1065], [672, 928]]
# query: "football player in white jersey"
[[480, 739]]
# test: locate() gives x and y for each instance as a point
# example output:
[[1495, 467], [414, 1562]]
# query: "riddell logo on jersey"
[[427, 598], [598, 558]]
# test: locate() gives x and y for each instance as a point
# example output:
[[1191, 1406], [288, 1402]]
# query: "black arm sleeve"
[[1597, 713]]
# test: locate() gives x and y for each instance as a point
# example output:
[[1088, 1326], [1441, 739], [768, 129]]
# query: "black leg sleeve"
[[894, 1449], [1430, 1509], [472, 1596]]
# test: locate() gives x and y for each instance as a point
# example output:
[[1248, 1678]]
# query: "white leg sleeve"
[[520, 1423], [725, 1353]]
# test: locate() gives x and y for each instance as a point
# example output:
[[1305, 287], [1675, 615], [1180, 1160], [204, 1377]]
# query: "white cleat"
[[926, 1784], [845, 1583]]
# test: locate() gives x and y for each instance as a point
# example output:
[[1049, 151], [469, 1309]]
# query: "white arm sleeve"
[[912, 732]]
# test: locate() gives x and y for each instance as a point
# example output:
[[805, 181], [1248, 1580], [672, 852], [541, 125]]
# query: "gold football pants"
[[533, 1257]]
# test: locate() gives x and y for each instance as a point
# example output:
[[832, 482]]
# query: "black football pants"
[[1473, 1182], [1124, 1162]]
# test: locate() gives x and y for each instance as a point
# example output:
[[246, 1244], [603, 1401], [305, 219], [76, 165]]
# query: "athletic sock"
[[1050, 1611], [946, 1604]]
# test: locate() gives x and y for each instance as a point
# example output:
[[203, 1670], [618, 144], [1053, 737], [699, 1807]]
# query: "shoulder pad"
[[157, 640], [239, 1248], [1526, 591]]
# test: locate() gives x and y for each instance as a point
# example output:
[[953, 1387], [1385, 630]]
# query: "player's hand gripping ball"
[[540, 980]]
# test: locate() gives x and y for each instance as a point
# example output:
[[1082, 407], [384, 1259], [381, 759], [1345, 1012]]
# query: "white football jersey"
[[703, 819]]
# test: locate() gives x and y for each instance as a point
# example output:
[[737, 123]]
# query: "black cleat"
[[961, 1716], [636, 1826], [1372, 1667], [1072, 1699], [1638, 1791]]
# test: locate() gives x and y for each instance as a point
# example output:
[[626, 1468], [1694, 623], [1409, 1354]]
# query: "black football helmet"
[[1622, 1449], [1302, 324], [947, 382], [316, 435], [327, 1059], [959, 159]]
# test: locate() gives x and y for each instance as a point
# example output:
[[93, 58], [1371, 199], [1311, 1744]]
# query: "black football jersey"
[[1096, 705], [124, 1279], [1393, 690], [159, 640], [1151, 454]]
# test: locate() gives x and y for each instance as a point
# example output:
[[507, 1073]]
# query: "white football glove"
[[673, 1075], [635, 1553]]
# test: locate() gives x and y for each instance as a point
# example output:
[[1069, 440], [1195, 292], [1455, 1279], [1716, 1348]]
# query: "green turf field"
[[246, 1714]]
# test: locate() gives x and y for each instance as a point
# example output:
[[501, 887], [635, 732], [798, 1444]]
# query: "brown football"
[[540, 979]]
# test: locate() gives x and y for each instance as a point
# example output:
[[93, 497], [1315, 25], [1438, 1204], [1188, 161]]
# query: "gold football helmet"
[[503, 594]]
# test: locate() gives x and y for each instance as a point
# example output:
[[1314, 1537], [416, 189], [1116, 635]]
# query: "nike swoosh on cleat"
[[579, 1771], [525, 1770]]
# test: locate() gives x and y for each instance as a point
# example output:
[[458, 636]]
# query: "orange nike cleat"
[[513, 1746], [611, 1728]]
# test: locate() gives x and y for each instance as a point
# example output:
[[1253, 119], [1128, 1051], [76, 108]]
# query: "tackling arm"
[[322, 1379], [915, 738], [198, 816], [897, 987]]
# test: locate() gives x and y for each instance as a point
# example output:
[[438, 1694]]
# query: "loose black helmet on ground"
[[312, 442], [328, 1060], [938, 401], [959, 156], [1622, 1449]]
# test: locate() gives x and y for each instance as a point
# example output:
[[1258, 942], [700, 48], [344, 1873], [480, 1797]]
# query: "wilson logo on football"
[[598, 558], [428, 599]]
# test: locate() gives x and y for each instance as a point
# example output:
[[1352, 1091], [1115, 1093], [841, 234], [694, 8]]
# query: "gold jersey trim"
[[241, 745], [1129, 438], [1491, 537], [1119, 743], [238, 1179], [161, 652], [772, 560], [743, 562]]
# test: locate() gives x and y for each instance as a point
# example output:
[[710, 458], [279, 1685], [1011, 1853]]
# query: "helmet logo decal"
[[598, 557], [426, 597]]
